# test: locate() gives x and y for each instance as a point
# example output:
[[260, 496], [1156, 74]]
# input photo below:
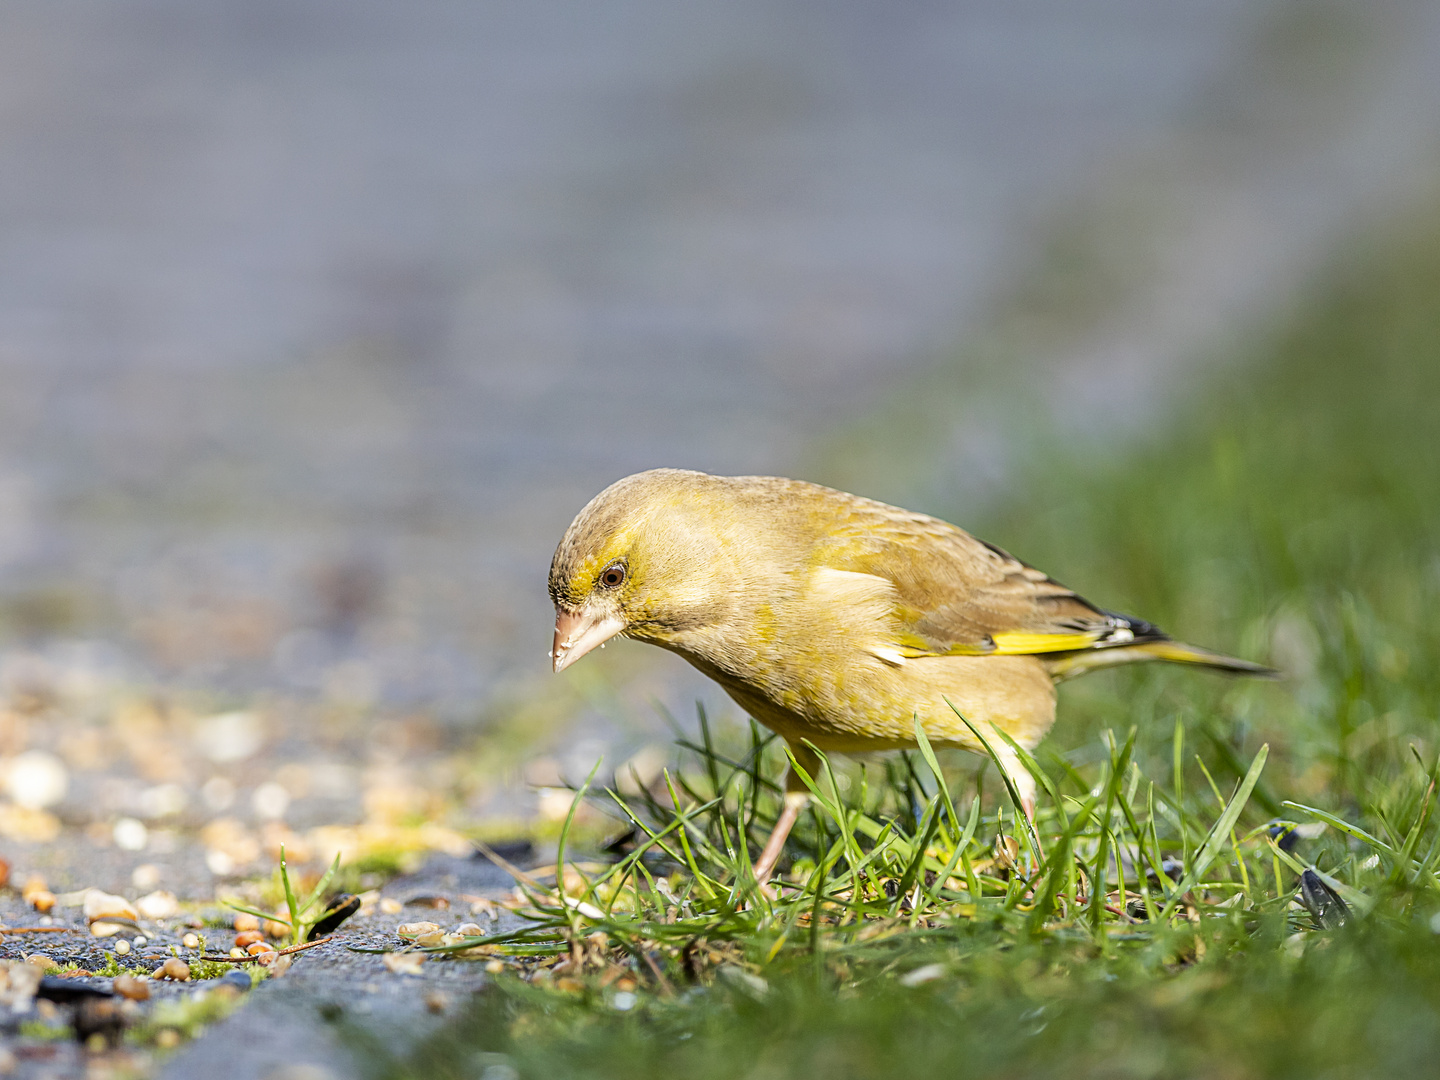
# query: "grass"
[[1164, 920], [303, 914]]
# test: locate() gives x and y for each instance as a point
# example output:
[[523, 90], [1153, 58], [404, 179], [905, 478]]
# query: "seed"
[[167, 1039], [122, 947], [190, 941], [41, 961], [237, 953], [42, 900], [247, 938], [255, 948], [245, 923], [176, 969]]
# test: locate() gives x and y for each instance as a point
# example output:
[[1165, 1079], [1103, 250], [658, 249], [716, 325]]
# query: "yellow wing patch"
[[1019, 643]]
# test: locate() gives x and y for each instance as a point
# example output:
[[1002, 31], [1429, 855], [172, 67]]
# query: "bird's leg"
[[1019, 777], [797, 797], [1024, 783], [765, 864]]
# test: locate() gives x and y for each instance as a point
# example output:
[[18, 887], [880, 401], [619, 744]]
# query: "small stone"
[[190, 941], [103, 905], [36, 779], [248, 938], [404, 963], [107, 913], [236, 978], [128, 986], [122, 947], [41, 961], [270, 800], [229, 737], [140, 940], [157, 905], [245, 923], [130, 834], [176, 969]]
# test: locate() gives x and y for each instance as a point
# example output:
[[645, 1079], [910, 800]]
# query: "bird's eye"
[[613, 575]]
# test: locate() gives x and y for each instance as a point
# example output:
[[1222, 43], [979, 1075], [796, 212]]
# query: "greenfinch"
[[837, 621]]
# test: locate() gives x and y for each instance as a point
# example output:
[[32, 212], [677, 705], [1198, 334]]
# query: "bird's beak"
[[577, 632]]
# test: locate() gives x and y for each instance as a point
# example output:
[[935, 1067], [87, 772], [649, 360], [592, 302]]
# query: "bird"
[[837, 621]]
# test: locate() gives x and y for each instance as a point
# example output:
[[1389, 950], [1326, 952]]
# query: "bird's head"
[[643, 559]]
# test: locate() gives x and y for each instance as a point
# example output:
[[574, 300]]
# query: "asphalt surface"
[[291, 1026]]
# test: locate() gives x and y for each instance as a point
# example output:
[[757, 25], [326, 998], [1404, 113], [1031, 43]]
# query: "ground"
[[1225, 878]]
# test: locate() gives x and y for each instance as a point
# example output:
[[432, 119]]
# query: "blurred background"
[[320, 320]]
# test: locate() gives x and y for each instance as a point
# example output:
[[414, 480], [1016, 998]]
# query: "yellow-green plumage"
[[835, 619]]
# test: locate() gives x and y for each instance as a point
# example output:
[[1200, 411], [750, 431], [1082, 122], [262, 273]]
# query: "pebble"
[[158, 904], [128, 986], [174, 968], [236, 978], [403, 963], [122, 947], [140, 940], [245, 923], [36, 779], [229, 737], [41, 961], [130, 834], [101, 907], [249, 937], [190, 941]]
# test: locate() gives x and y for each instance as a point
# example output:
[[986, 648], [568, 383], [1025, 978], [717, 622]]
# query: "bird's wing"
[[956, 595]]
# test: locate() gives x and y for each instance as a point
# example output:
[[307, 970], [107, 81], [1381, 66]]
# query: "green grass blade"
[[1219, 832]]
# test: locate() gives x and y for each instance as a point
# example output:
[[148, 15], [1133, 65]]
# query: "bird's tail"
[[1069, 665]]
